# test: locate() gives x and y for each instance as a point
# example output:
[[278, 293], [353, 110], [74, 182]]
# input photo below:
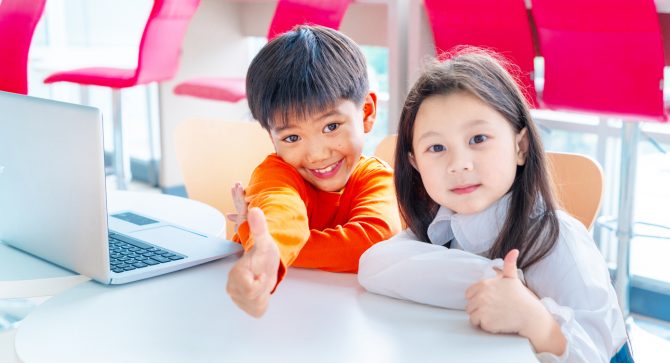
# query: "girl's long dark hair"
[[531, 225]]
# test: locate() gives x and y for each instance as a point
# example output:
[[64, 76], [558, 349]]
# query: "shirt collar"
[[475, 233]]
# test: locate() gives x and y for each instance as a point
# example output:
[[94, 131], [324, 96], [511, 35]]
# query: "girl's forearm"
[[544, 333]]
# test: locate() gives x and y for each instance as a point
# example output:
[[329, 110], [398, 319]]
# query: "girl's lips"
[[334, 168], [465, 189]]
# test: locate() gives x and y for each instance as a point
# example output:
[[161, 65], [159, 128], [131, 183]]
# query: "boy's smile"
[[328, 171], [326, 147]]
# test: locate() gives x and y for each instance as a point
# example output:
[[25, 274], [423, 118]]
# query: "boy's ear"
[[272, 140], [369, 111], [521, 146]]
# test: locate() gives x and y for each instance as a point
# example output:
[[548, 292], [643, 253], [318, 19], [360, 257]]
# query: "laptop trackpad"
[[170, 237]]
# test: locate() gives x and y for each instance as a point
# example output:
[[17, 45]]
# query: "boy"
[[317, 202]]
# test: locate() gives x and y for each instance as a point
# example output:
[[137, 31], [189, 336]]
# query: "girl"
[[470, 175]]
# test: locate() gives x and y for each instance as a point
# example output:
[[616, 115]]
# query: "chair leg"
[[120, 159], [152, 121], [626, 218]]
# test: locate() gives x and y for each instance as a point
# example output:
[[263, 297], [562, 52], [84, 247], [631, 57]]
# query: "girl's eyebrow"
[[477, 122], [428, 134], [470, 125]]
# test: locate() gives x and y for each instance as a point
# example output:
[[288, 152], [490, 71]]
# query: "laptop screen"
[[52, 184]]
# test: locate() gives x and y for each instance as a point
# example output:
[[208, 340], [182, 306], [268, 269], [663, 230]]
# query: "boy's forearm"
[[339, 249]]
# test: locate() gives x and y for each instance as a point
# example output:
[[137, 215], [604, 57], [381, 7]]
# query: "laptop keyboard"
[[127, 253]]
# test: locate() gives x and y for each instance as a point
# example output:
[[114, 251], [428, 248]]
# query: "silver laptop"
[[53, 199]]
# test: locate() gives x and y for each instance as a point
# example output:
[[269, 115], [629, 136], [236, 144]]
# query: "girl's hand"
[[241, 205], [504, 305], [501, 304]]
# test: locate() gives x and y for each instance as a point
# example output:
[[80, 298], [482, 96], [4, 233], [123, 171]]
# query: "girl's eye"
[[331, 127], [478, 139], [436, 148], [291, 138]]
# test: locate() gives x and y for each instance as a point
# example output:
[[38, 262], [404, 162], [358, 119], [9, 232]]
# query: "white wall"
[[215, 45]]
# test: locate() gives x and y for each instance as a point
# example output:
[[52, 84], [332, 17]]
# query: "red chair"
[[606, 57], [288, 14], [18, 19], [500, 25], [158, 60]]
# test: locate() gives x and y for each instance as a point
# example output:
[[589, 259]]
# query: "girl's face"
[[465, 151]]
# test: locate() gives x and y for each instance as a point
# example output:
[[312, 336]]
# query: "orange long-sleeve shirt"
[[317, 229]]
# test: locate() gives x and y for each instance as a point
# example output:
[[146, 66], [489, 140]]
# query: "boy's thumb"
[[258, 227], [509, 264]]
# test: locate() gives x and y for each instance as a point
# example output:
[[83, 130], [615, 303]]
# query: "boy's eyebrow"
[[326, 114]]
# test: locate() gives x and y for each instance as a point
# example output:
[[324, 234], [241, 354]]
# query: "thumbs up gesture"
[[509, 265], [254, 275], [501, 304]]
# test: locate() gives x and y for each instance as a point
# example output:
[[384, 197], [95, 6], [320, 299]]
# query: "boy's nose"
[[317, 151]]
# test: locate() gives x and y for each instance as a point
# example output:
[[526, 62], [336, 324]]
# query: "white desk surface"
[[314, 316], [187, 316], [22, 275]]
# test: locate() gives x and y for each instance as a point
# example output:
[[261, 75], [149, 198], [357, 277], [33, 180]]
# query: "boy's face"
[[325, 148]]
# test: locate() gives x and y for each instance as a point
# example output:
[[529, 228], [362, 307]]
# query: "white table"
[[187, 316], [22, 275], [314, 316]]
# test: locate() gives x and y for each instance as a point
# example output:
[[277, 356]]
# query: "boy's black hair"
[[304, 71]]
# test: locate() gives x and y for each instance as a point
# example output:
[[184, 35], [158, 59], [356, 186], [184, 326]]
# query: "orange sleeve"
[[373, 217], [279, 191]]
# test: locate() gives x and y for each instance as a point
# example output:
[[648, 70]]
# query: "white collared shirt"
[[572, 281]]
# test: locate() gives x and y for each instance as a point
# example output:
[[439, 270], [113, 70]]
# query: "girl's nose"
[[460, 162]]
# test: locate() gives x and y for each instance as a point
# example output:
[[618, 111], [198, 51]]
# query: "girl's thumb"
[[509, 264]]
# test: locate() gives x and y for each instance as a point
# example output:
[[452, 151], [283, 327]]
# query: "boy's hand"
[[254, 275], [241, 205]]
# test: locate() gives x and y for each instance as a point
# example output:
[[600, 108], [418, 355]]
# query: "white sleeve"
[[405, 268], [574, 286]]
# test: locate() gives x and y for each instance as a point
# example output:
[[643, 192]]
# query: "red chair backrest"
[[290, 13], [160, 47], [18, 19], [500, 25], [602, 56]]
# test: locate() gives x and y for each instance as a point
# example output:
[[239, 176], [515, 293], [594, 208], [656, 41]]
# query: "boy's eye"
[[291, 138], [478, 139], [331, 127], [436, 148]]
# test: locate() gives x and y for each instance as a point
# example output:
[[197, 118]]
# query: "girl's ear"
[[521, 146], [412, 160], [369, 111]]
